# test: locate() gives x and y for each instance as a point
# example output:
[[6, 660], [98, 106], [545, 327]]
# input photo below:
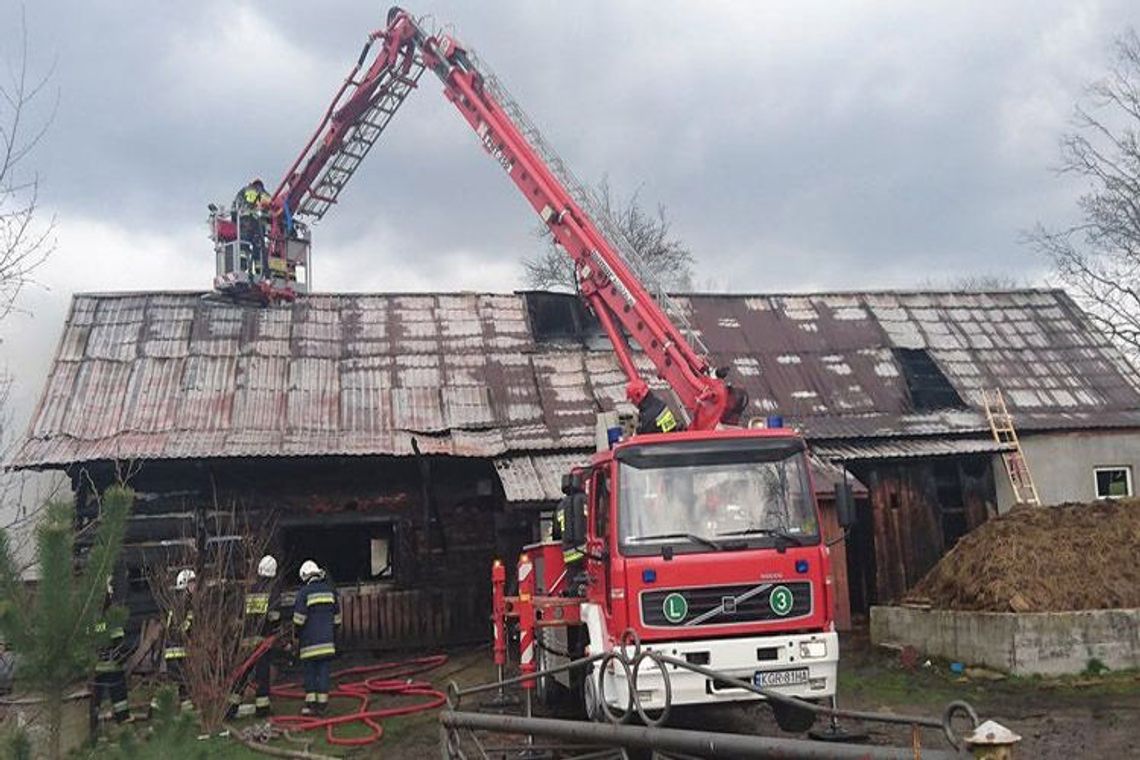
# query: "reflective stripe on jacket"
[[262, 612], [112, 652], [177, 630], [316, 613], [250, 199]]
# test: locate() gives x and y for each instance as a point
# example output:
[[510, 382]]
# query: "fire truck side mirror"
[[574, 531], [844, 505]]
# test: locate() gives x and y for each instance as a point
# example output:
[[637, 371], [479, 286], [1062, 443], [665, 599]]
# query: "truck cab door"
[[598, 550]]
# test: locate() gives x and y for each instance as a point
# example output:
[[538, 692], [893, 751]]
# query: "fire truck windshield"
[[714, 504]]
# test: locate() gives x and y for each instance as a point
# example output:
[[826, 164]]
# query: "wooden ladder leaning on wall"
[[1005, 435]]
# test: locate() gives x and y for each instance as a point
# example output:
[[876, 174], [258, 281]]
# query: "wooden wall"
[[919, 506], [390, 618], [448, 528]]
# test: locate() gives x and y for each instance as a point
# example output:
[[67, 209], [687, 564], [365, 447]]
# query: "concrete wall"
[[1046, 643], [1062, 464]]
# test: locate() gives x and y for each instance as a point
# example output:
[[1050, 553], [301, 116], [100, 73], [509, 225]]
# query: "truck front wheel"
[[794, 720]]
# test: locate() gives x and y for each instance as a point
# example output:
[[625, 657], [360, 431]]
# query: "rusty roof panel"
[[73, 344], [468, 408], [116, 341], [172, 375], [48, 422], [152, 395], [902, 448], [207, 393], [96, 406], [418, 409], [536, 478]]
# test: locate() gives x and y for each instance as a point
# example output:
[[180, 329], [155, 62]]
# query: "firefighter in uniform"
[[262, 619], [177, 631], [110, 671], [251, 207], [316, 614], [654, 416]]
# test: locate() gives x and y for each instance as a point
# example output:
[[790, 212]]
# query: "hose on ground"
[[392, 679]]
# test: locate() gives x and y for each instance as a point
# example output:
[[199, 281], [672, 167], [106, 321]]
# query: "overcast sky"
[[796, 145]]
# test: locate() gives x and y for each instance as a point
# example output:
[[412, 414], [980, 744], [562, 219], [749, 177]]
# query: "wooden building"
[[406, 440]]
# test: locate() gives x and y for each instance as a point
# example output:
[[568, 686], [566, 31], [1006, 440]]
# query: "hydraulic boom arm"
[[607, 280]]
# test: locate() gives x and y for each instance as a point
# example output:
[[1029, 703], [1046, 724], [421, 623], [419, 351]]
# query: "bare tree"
[[25, 240], [1098, 258], [26, 111], [974, 283], [215, 642], [650, 234]]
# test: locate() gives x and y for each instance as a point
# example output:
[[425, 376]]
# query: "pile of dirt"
[[1041, 559]]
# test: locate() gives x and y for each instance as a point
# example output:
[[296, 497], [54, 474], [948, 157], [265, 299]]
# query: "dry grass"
[[1037, 559]]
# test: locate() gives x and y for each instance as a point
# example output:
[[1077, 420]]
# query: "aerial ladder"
[[751, 585], [610, 274]]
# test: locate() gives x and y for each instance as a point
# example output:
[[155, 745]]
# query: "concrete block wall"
[[1062, 464], [1040, 643]]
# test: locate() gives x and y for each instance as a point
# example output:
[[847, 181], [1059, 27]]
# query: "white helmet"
[[267, 567], [185, 577], [309, 570]]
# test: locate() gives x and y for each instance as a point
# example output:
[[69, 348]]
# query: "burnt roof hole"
[[929, 389], [560, 318]]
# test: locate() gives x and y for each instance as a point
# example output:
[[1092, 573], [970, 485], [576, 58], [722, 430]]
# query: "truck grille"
[[725, 605]]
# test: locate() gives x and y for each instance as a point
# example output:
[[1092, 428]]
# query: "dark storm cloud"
[[846, 141], [796, 145]]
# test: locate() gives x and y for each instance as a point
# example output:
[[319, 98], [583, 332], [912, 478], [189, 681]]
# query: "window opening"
[[1113, 482], [350, 552]]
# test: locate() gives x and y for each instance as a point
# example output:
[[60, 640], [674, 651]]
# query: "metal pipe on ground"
[[700, 743]]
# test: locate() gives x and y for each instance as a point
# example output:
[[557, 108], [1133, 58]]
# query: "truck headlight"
[[813, 650]]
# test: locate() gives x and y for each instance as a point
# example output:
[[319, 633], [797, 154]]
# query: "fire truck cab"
[[708, 548]]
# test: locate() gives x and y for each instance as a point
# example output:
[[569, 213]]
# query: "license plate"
[[791, 677]]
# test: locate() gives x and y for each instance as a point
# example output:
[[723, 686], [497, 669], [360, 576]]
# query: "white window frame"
[[1112, 468]]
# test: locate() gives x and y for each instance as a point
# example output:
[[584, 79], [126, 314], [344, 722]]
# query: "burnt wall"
[[919, 510], [443, 521]]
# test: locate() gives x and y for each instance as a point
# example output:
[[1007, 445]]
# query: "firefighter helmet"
[[309, 570], [267, 567], [184, 579]]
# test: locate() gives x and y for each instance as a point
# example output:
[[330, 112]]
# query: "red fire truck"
[[695, 536]]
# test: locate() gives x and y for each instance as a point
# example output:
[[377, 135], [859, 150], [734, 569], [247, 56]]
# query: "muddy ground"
[[1084, 716]]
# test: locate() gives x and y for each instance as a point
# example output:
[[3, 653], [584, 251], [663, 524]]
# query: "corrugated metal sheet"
[[536, 478], [902, 448], [170, 375]]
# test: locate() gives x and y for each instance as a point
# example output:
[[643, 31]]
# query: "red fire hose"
[[265, 645], [391, 678]]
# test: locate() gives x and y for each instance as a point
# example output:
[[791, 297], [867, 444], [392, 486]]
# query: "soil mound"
[[1042, 559]]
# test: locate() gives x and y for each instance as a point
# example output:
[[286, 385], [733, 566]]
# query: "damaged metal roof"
[[903, 448], [172, 375]]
